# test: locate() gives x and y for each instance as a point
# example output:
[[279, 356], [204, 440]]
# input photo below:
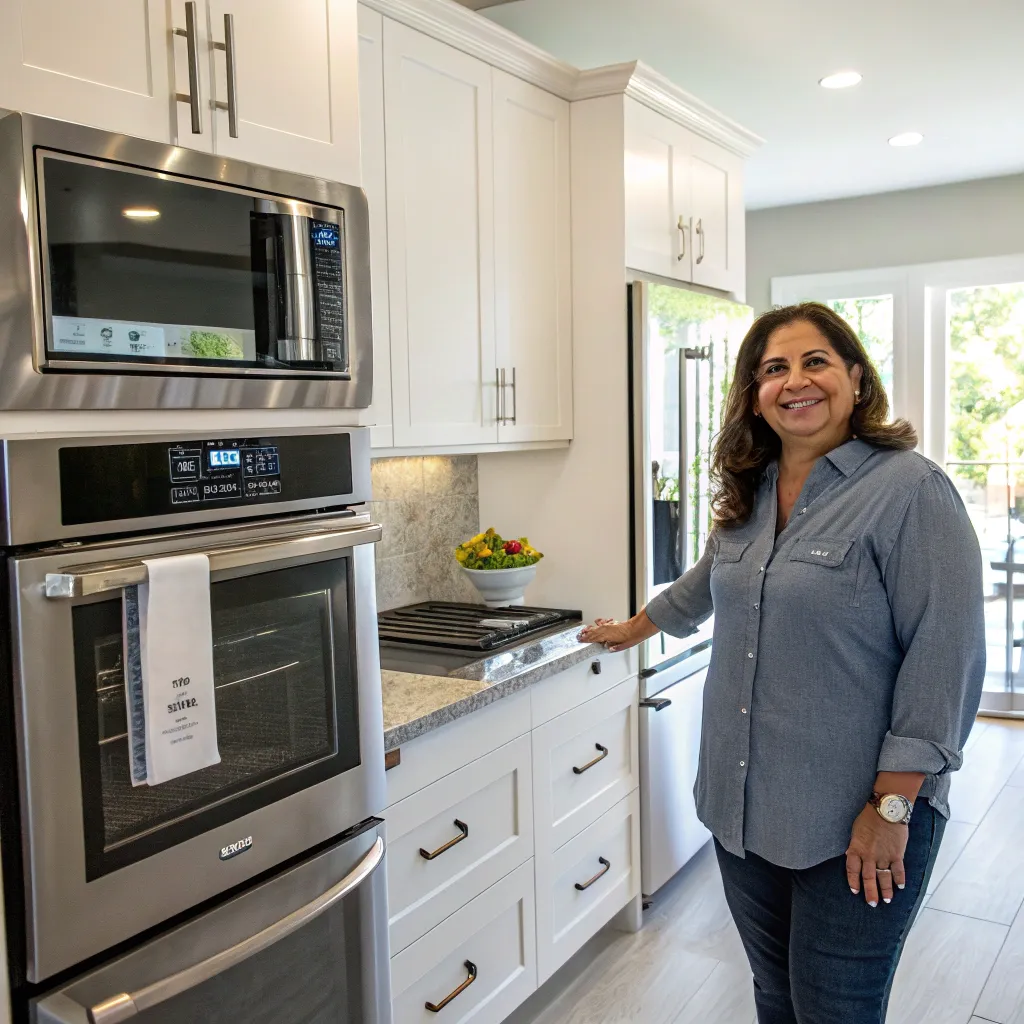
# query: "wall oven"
[[298, 713], [140, 275]]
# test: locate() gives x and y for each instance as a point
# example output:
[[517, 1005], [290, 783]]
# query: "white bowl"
[[502, 588]]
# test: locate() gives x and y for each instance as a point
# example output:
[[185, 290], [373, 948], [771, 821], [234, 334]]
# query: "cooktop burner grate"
[[469, 627]]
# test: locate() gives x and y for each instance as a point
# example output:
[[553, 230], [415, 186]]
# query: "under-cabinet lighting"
[[840, 80], [906, 139]]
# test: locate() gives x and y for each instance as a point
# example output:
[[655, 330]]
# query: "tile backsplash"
[[427, 507]]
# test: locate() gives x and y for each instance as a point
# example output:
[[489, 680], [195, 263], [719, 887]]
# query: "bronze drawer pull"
[[427, 855], [590, 764], [438, 1007], [606, 867]]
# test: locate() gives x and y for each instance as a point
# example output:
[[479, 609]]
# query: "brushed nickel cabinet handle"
[[228, 46], [590, 764], [682, 239], [499, 401], [438, 1007], [605, 868], [462, 827], [192, 97], [515, 398], [700, 233]]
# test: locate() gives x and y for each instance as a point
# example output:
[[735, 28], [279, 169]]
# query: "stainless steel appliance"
[[683, 346], [140, 275], [299, 724]]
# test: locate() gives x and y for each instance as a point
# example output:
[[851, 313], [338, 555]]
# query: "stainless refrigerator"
[[683, 346]]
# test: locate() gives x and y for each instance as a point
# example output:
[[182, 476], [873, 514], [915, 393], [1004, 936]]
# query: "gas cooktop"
[[468, 628]]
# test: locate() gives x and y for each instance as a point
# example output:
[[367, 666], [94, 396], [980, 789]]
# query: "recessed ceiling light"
[[906, 139], [140, 213], [840, 80]]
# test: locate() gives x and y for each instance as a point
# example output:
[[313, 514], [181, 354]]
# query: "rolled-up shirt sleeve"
[[934, 583], [681, 608]]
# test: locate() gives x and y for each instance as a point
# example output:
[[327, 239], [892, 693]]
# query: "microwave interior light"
[[140, 213]]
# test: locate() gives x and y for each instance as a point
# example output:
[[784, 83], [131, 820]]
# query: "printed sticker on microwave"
[[90, 336]]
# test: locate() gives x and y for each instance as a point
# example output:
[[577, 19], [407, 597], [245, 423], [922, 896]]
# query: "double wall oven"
[[139, 275], [253, 888]]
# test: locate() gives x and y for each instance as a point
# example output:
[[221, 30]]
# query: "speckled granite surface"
[[416, 704]]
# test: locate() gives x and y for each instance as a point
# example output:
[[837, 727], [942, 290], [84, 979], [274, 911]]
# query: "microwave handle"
[[128, 1005], [99, 579]]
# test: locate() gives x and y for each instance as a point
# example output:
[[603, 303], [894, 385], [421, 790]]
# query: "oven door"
[[306, 947], [299, 726]]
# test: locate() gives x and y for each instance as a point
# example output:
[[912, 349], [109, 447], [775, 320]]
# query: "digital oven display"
[[225, 458], [325, 235]]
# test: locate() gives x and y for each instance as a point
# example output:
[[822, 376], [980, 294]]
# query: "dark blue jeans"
[[819, 954]]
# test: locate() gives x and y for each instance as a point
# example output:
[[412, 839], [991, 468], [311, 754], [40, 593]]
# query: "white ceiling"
[[949, 69]]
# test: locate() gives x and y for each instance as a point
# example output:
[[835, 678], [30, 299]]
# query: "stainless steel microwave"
[[138, 275]]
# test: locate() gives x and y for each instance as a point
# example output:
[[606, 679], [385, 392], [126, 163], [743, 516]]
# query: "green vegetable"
[[210, 345]]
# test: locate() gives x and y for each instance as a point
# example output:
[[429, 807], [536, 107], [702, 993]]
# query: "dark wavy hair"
[[746, 444]]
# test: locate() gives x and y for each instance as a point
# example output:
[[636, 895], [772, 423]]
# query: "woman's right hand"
[[618, 636]]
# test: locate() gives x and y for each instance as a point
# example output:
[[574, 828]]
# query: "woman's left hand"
[[875, 857]]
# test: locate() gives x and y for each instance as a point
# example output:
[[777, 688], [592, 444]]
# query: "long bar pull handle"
[[438, 1007], [501, 390], [605, 867], [515, 398], [125, 1006], [590, 764], [700, 234], [192, 97], [498, 396], [228, 46], [464, 834], [682, 239]]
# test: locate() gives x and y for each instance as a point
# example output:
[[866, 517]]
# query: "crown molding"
[[476, 35]]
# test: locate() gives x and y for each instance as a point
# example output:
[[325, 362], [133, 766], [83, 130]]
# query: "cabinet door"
[[657, 167], [297, 98], [372, 159], [532, 261], [102, 63], [719, 259], [438, 125]]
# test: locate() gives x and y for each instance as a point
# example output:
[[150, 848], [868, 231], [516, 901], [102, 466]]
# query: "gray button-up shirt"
[[852, 643]]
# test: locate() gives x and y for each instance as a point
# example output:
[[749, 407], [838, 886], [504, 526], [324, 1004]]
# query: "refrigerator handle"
[[656, 703]]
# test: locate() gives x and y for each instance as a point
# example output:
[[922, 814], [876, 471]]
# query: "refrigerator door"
[[670, 832]]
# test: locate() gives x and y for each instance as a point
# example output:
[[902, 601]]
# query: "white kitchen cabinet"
[[438, 121], [102, 63], [533, 276], [374, 180], [296, 70], [684, 204]]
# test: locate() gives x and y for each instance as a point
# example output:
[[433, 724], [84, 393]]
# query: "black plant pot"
[[668, 565]]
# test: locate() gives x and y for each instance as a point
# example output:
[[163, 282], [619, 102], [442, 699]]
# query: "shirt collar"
[[847, 458]]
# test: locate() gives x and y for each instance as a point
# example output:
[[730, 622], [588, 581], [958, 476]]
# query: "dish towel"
[[172, 714]]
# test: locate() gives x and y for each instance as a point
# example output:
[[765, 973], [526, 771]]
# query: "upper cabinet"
[[684, 203], [102, 63]]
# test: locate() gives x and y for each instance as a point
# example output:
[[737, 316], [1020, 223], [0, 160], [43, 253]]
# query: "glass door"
[[985, 459], [685, 345]]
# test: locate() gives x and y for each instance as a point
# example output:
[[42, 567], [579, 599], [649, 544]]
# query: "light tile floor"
[[964, 961]]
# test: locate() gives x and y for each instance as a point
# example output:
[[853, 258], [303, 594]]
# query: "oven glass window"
[[154, 270], [285, 687]]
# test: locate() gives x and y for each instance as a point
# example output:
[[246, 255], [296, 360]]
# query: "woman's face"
[[804, 390]]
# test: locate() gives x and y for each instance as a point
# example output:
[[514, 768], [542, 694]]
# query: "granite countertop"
[[415, 704]]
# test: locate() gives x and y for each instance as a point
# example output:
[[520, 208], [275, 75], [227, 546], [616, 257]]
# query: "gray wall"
[[948, 222]]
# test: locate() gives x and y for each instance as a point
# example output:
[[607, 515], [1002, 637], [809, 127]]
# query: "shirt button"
[[761, 569], [750, 654], [757, 604], [802, 511], [743, 764], [743, 711]]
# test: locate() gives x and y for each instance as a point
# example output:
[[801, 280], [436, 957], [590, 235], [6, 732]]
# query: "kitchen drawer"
[[496, 934], [578, 684], [604, 859], [489, 801], [441, 751], [584, 762]]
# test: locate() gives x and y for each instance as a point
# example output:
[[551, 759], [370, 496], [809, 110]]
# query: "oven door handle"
[[98, 579], [127, 1005]]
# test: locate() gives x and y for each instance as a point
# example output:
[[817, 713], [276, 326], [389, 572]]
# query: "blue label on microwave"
[[325, 235]]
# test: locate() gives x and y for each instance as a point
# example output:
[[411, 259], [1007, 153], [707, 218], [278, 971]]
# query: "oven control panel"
[[217, 471]]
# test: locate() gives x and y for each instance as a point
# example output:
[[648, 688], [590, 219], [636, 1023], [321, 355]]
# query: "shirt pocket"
[[835, 575], [729, 551]]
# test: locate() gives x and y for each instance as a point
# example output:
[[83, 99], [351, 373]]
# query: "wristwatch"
[[892, 807]]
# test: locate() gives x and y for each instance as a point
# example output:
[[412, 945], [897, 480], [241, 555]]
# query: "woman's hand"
[[618, 636], [875, 856]]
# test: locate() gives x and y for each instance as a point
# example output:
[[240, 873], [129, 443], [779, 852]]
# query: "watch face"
[[893, 809]]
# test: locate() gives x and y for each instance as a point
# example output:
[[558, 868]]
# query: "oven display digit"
[[225, 458]]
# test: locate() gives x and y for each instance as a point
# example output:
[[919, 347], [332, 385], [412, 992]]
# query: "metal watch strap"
[[876, 801]]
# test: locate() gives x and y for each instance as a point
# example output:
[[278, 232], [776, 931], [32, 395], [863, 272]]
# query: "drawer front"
[[496, 934], [582, 886], [436, 754], [476, 825], [584, 762], [577, 685]]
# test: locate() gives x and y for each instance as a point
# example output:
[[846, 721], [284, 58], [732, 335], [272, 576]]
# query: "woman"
[[849, 656]]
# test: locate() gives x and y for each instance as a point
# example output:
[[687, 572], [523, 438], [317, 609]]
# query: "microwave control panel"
[[217, 471]]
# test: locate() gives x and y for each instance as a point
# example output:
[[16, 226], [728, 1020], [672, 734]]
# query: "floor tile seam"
[[718, 966], [971, 917]]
